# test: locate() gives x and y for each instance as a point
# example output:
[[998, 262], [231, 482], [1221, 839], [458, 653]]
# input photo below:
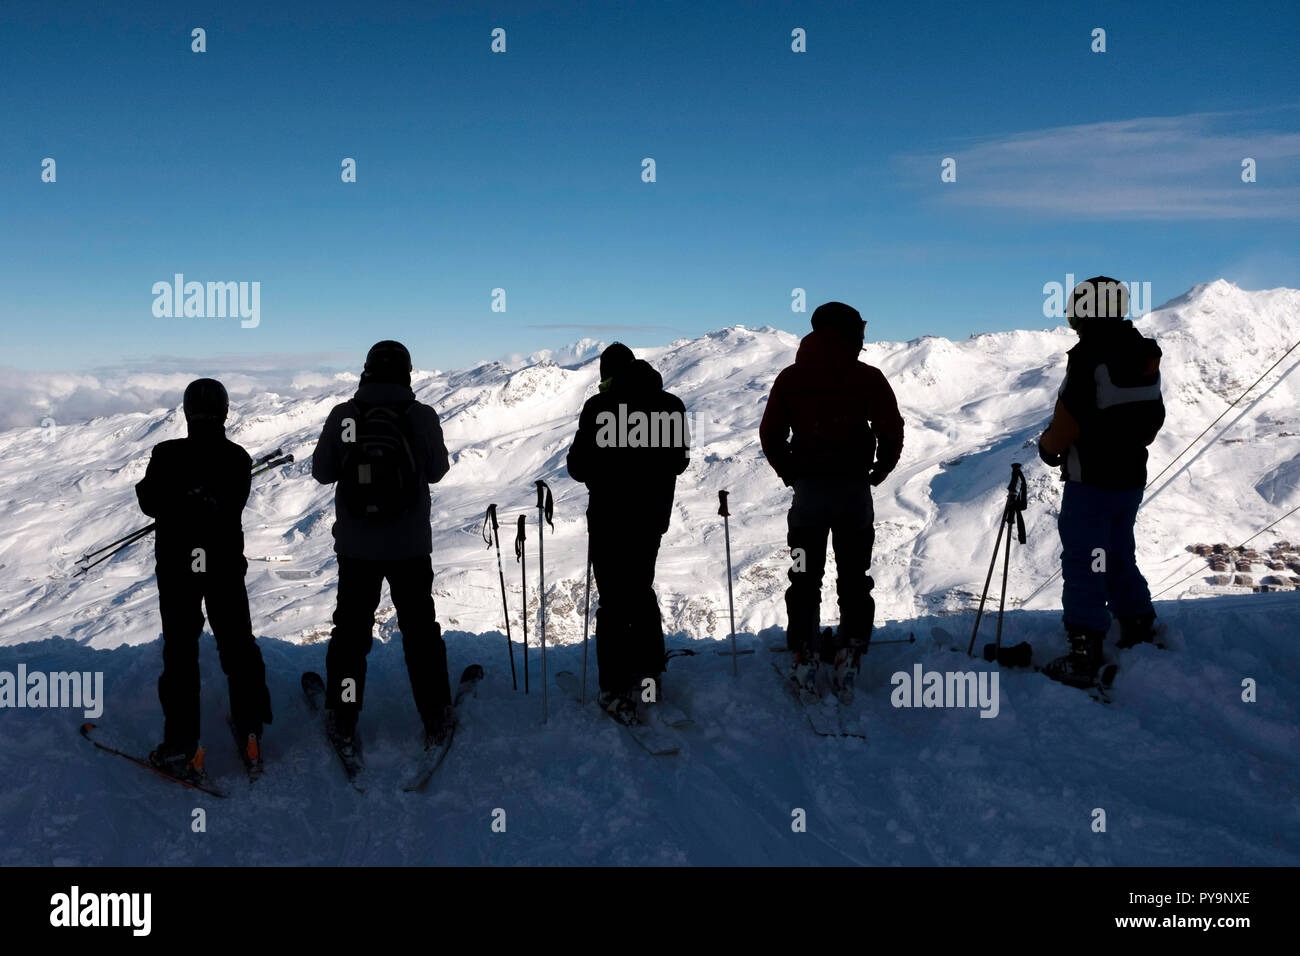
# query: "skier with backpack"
[[831, 431], [1107, 412], [195, 489], [631, 445], [383, 448]]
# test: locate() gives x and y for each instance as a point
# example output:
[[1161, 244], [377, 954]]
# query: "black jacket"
[[1109, 408], [632, 443], [831, 416], [195, 489], [410, 535]]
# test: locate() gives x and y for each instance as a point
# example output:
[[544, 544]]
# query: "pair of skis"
[[827, 716], [655, 740], [313, 687]]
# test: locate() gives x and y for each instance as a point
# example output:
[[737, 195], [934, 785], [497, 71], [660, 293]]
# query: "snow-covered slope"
[[1186, 772], [971, 409]]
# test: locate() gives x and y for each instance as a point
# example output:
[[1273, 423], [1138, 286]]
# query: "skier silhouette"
[[1108, 411], [384, 449], [195, 489], [631, 445], [831, 430]]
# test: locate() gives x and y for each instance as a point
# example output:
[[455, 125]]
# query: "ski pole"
[[520, 536], [130, 540], [286, 460], [545, 508], [126, 538], [124, 542], [265, 458], [492, 538], [586, 623], [731, 605]]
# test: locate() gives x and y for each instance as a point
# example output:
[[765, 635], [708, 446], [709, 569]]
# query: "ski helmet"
[[388, 361], [206, 401], [842, 319], [1100, 297]]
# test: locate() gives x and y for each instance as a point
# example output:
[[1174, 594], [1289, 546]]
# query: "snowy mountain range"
[[1187, 769], [971, 409]]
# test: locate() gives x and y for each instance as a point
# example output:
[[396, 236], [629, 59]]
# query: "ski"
[[670, 715], [432, 759], [824, 715], [651, 739], [92, 733], [313, 688]]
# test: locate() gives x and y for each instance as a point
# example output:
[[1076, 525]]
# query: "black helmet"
[[1100, 297], [840, 318], [388, 361], [206, 401]]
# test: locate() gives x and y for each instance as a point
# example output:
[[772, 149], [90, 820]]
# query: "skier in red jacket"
[[831, 430]]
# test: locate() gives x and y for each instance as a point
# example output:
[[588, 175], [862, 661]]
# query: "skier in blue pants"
[[1107, 413]]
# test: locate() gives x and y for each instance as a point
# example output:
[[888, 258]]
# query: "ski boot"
[[1136, 629], [183, 763], [845, 673], [1082, 665], [803, 672], [826, 681], [620, 705], [250, 752], [842, 657], [438, 731]]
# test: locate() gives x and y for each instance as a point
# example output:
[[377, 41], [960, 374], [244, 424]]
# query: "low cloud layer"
[[28, 397]]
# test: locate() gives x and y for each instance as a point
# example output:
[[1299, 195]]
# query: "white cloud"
[[1151, 168]]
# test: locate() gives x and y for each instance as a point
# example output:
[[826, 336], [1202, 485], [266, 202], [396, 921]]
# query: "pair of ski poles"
[[265, 463], [545, 511], [545, 514]]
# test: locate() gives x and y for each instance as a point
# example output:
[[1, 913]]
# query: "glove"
[[1055, 460]]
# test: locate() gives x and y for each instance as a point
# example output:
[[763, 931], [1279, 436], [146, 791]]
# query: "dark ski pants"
[[629, 630], [410, 582], [1096, 524], [843, 510], [183, 595]]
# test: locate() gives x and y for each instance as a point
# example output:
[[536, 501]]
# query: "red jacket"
[[842, 414]]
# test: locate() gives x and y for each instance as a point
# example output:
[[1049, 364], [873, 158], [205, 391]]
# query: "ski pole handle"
[[545, 503], [492, 516], [265, 458], [722, 504]]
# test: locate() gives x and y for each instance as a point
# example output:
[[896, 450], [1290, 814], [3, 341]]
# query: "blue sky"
[[522, 170]]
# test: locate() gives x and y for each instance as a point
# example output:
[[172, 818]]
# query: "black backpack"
[[380, 478]]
